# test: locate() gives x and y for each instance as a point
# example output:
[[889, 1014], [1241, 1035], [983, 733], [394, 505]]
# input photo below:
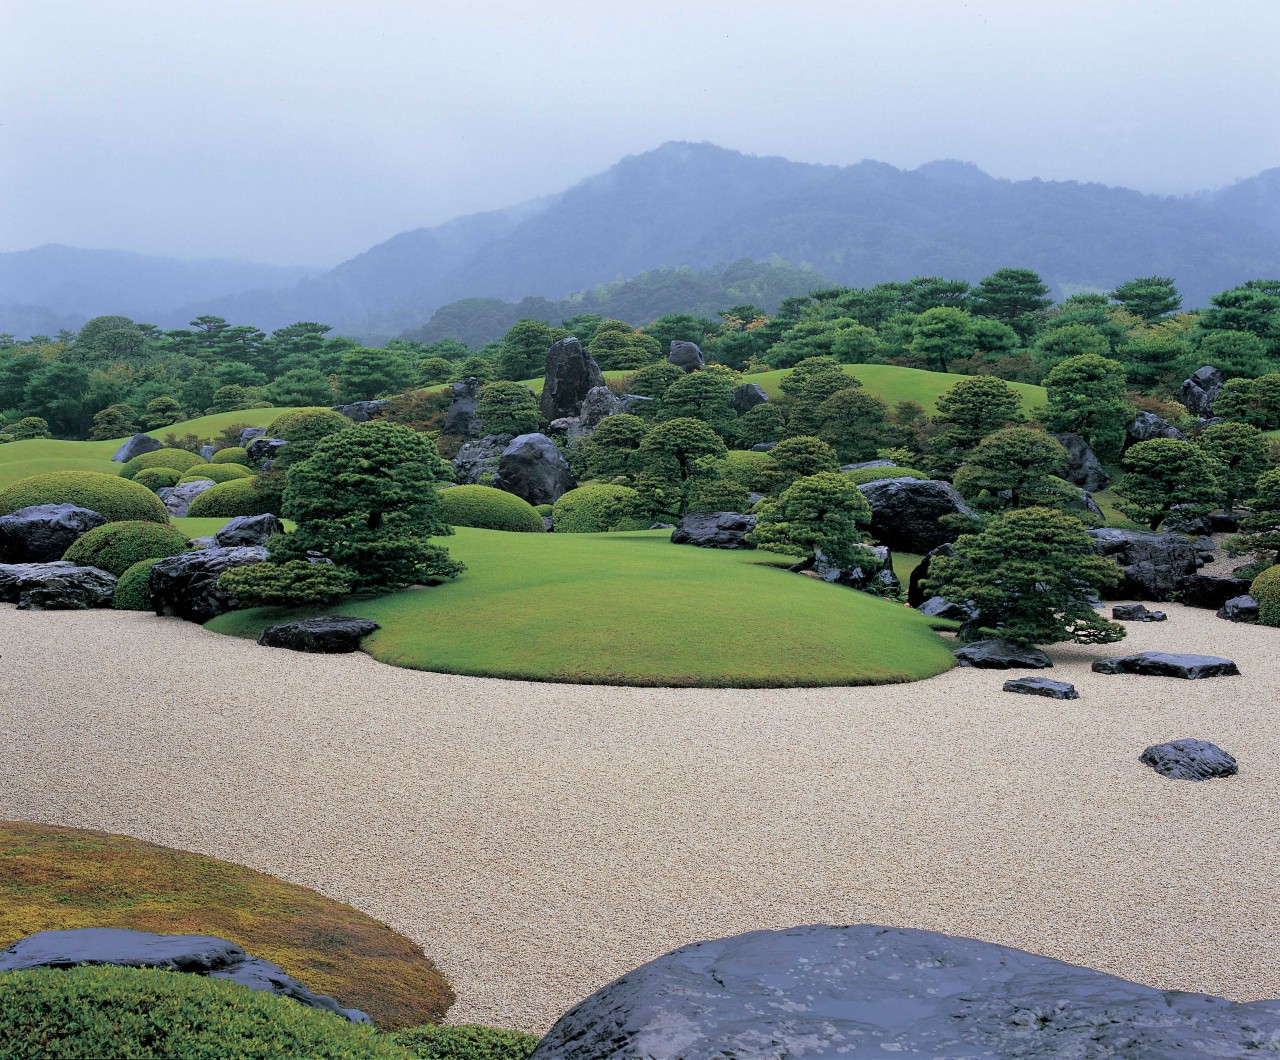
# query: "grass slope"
[[632, 608], [53, 879]]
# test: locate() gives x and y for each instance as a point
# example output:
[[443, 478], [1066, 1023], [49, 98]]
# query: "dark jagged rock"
[[1002, 655], [248, 530], [1080, 502], [915, 583], [194, 954], [1199, 390], [686, 355], [905, 512], [1136, 613], [186, 586], [1084, 469], [571, 373], [263, 451], [865, 991], [747, 396], [1042, 686], [1168, 664], [876, 576], [1223, 522], [1240, 609], [138, 445], [940, 607], [362, 411], [532, 467], [763, 447], [1189, 760], [460, 418], [1154, 564], [714, 530], [327, 634], [249, 434], [1211, 591], [1147, 425], [177, 499], [599, 403], [43, 532], [479, 458], [56, 586]]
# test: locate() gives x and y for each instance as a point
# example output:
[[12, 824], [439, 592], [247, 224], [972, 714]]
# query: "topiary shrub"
[[215, 473], [178, 459], [232, 454], [133, 589], [1266, 590], [544, 510], [466, 1041], [749, 470], [157, 478], [315, 421], [239, 496], [874, 474], [114, 497], [597, 509], [116, 547], [489, 509], [296, 583], [146, 1012]]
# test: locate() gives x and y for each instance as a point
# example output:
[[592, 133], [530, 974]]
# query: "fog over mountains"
[[700, 206]]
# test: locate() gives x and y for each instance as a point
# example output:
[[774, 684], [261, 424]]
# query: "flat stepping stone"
[[1136, 613], [1042, 686], [327, 635], [1167, 664], [1189, 760], [1002, 655]]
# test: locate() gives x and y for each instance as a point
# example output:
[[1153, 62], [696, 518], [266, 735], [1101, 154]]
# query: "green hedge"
[[178, 459], [307, 424], [489, 509], [232, 454], [116, 547], [1266, 590], [240, 496], [874, 474], [133, 589], [114, 497], [217, 473], [466, 1041], [157, 478], [596, 509], [148, 1014]]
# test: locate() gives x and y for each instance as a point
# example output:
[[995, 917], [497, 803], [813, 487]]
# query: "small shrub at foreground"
[[133, 589], [116, 547], [296, 583], [488, 509], [596, 509], [467, 1041]]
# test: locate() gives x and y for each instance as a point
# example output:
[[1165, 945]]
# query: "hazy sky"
[[305, 131]]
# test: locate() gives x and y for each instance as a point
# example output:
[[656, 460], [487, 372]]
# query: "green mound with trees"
[[116, 498], [115, 547], [489, 509]]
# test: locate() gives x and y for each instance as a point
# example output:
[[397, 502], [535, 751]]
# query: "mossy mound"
[[238, 496], [1266, 590], [157, 478], [489, 509], [232, 454], [216, 473], [177, 459], [116, 547], [596, 509], [114, 497], [466, 1041], [864, 475], [133, 589]]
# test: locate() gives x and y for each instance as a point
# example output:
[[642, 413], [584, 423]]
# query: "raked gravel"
[[540, 840]]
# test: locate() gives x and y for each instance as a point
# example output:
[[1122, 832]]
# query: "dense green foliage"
[[861, 476], [294, 583], [1164, 474], [237, 496], [178, 459], [466, 1041], [232, 454], [825, 511], [1086, 396], [597, 508], [1013, 468], [1239, 454], [508, 408], [110, 495], [216, 473], [489, 509], [115, 547], [158, 478], [133, 588], [1266, 590]]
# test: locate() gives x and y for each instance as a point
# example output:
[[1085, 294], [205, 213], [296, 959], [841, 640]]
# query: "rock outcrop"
[[875, 576], [460, 418], [1199, 390], [1240, 609], [1084, 469], [532, 467], [714, 530], [1147, 425], [571, 373], [362, 411], [905, 512], [326, 634], [1211, 591], [177, 499], [56, 586], [1154, 565], [1136, 613], [248, 530], [479, 458], [263, 451], [186, 586], [41, 533], [747, 396]]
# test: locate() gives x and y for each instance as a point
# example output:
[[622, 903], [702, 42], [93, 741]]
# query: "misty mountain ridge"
[[701, 206]]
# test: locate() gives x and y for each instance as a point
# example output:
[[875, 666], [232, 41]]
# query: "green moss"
[[595, 509], [217, 473], [133, 589], [232, 454], [239, 496], [489, 509], [157, 478], [875, 474], [466, 1041], [112, 496], [178, 459], [116, 547], [1266, 590]]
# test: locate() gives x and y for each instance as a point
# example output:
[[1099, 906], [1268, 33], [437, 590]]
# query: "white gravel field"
[[540, 840]]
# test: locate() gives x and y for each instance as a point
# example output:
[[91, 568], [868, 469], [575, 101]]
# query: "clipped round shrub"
[[238, 496], [544, 510], [232, 454], [146, 1012], [115, 547], [307, 424], [465, 1041], [874, 474], [596, 509], [489, 509], [1266, 590], [116, 498], [749, 470], [157, 478], [178, 459], [216, 473], [133, 589]]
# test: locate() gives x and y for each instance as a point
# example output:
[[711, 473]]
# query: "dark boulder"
[[875, 576], [43, 532], [763, 447], [1136, 613], [1211, 591], [207, 452], [186, 586], [940, 607], [1154, 564], [1168, 664], [1199, 390], [1042, 686], [177, 499], [248, 530], [1189, 760], [1147, 425], [195, 954], [56, 586], [362, 411], [138, 445], [327, 634], [249, 434], [1079, 501], [747, 396], [916, 594], [905, 512], [865, 991], [686, 355], [460, 418], [1084, 469], [714, 530], [263, 451], [1223, 522], [571, 373], [1240, 609], [599, 403], [479, 458], [532, 467], [1002, 655]]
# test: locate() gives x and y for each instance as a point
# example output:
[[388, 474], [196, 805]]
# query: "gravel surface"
[[540, 840]]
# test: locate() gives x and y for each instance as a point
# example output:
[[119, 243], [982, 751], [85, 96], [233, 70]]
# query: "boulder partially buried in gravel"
[[248, 530], [327, 634], [138, 445], [571, 373], [1136, 613], [1189, 760], [532, 467], [1154, 565], [905, 512], [195, 954], [1240, 609], [868, 991], [1002, 655], [41, 533], [1211, 591], [186, 586], [1168, 664], [714, 530], [1042, 686], [57, 586]]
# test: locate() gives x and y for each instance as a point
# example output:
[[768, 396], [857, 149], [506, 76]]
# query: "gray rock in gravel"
[[1042, 686], [905, 512], [193, 954], [248, 530], [1189, 760], [1084, 469], [1154, 565], [177, 499], [186, 586], [532, 467], [747, 396], [866, 991], [1002, 655], [56, 586], [41, 533], [1136, 613], [714, 530], [571, 373], [138, 445], [1199, 390], [327, 634], [686, 355], [1168, 664], [1240, 609]]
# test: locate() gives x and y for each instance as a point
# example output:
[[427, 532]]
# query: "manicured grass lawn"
[[1106, 500], [54, 879], [635, 609]]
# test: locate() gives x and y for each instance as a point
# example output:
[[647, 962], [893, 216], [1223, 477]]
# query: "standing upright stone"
[[461, 417], [1200, 388], [686, 355], [571, 374], [135, 446]]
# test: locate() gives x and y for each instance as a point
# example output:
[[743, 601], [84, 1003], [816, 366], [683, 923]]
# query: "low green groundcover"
[[467, 1041], [110, 495], [116, 547], [489, 509]]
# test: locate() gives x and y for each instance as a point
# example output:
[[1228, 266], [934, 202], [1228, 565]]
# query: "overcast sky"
[[306, 131]]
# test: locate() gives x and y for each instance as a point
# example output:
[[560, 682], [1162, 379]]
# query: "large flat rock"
[[1168, 664]]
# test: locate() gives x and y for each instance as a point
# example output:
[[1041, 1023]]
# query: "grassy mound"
[[217, 472], [232, 454], [489, 509], [133, 589], [114, 497], [116, 547], [59, 878], [177, 459], [466, 1041], [632, 608], [237, 496]]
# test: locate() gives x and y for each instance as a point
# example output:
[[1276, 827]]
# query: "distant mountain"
[[1252, 201]]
